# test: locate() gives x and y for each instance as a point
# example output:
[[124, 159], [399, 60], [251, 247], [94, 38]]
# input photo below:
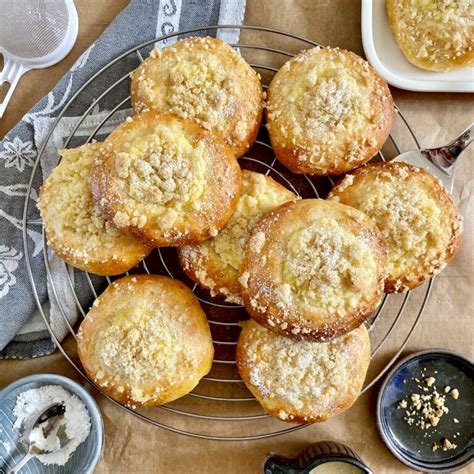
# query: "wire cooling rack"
[[221, 408]]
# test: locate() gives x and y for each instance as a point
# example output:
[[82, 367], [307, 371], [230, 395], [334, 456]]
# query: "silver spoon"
[[46, 435], [440, 161]]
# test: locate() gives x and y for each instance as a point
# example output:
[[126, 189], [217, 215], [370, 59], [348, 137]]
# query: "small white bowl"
[[82, 460]]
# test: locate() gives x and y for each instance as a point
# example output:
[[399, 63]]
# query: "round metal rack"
[[221, 408]]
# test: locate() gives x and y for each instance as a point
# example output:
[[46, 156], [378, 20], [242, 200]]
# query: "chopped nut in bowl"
[[425, 411]]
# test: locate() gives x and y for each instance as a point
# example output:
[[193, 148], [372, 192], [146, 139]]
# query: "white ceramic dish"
[[384, 55]]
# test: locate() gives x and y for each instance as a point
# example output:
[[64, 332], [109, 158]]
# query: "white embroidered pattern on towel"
[[9, 258]]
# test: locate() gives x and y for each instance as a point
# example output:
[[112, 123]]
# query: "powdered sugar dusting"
[[30, 404], [327, 110], [305, 379]]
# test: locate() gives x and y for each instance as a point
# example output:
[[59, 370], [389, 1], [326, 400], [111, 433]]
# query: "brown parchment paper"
[[133, 446]]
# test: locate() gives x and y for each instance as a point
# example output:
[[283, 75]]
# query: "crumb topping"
[[160, 176], [445, 445], [425, 410], [140, 344], [329, 267]]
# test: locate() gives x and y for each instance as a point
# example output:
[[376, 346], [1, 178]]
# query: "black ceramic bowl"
[[411, 445]]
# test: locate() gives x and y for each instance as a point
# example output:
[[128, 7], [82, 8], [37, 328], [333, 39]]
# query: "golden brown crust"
[[203, 78], [434, 35], [418, 218], [145, 341], [328, 112], [74, 227], [166, 179], [313, 270], [301, 381], [215, 263]]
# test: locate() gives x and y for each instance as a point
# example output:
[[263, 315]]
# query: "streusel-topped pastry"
[[146, 340], [302, 381], [436, 35], [203, 78], [166, 179], [74, 226], [313, 270], [418, 218], [328, 112]]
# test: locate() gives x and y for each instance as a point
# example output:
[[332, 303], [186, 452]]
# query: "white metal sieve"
[[34, 34]]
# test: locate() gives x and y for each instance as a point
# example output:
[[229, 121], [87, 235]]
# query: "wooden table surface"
[[133, 446]]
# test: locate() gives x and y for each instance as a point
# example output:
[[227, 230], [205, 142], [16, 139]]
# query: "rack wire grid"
[[221, 408]]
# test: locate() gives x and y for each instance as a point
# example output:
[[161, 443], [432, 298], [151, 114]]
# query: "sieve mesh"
[[32, 28]]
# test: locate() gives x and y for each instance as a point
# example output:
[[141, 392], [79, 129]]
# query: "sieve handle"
[[11, 73]]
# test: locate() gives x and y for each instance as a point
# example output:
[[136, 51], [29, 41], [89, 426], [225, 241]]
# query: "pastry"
[[74, 227], [145, 341], [328, 112], [215, 263], [206, 79], [434, 35], [302, 381], [313, 270], [166, 179], [418, 218]]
